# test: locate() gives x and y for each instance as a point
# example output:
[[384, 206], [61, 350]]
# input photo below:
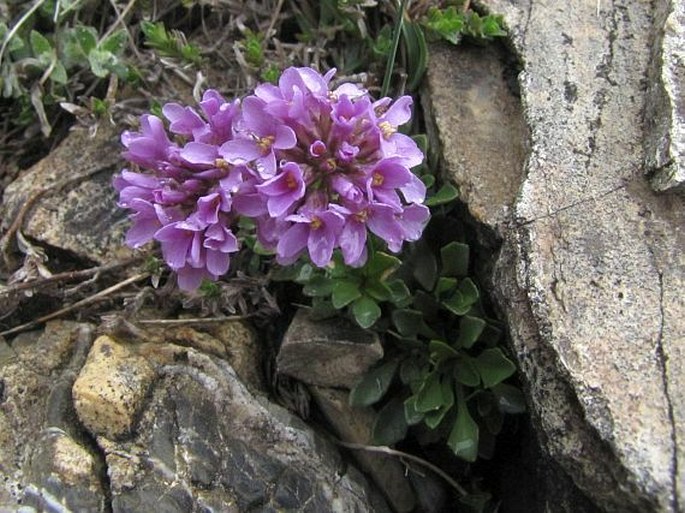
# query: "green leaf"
[[445, 285], [421, 141], [114, 43], [493, 367], [344, 292], [366, 311], [318, 286], [470, 328], [476, 503], [87, 38], [463, 299], [15, 44], [411, 415], [447, 193], [377, 290], [434, 418], [40, 45], [413, 373], [463, 439], [322, 309], [381, 265], [466, 373], [417, 53], [306, 272], [448, 23], [59, 74], [430, 396], [509, 398], [455, 259], [101, 63], [390, 425], [426, 267], [428, 180], [373, 385], [441, 352], [399, 293], [408, 322]]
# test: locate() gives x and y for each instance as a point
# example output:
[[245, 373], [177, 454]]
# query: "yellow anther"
[[221, 163], [377, 179], [386, 129], [290, 182], [265, 143], [315, 223]]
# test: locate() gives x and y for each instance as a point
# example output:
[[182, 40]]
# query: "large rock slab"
[[665, 112], [205, 442], [591, 268], [76, 210]]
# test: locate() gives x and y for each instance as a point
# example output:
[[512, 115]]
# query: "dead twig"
[[68, 276], [84, 302], [194, 320], [393, 452]]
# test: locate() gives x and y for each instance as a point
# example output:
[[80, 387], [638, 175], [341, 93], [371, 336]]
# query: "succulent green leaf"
[[366, 311], [455, 259], [463, 439], [470, 328], [426, 268], [510, 399], [447, 193], [493, 367], [344, 292], [373, 385], [318, 286], [381, 265], [377, 290], [445, 285], [399, 293], [466, 373], [306, 272], [441, 352], [391, 425], [411, 414], [408, 322], [430, 396], [428, 180], [463, 299], [421, 141], [322, 309]]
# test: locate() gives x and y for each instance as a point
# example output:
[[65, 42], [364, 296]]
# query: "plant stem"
[[393, 52]]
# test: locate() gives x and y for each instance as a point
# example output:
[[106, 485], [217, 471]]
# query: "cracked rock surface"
[[591, 269], [157, 424]]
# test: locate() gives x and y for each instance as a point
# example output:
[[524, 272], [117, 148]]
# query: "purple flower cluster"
[[315, 168]]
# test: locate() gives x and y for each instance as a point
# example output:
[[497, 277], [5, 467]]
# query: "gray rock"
[[79, 216], [355, 425], [204, 438], [46, 462], [665, 111], [331, 353], [591, 269]]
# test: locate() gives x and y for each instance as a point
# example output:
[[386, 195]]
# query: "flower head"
[[316, 169]]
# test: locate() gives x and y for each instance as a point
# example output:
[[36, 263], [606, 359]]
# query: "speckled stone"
[[111, 388]]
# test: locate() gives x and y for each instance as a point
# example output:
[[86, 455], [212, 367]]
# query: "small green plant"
[[452, 25], [169, 43]]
